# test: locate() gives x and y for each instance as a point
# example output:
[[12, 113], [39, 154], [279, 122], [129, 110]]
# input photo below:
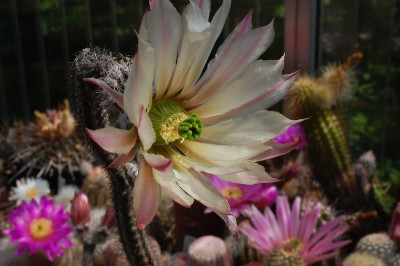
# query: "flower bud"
[[268, 196], [394, 230], [80, 209], [108, 220]]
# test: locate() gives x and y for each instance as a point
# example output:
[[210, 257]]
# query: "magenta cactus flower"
[[292, 235], [294, 134], [240, 197], [40, 226]]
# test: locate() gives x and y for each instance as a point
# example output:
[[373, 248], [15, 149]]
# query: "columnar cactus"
[[316, 99]]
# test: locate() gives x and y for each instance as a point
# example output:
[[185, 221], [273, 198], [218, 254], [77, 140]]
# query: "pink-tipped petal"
[[205, 6], [273, 150], [196, 52], [261, 76], [146, 195], [146, 132], [139, 86], [113, 139], [152, 3], [233, 59], [263, 101], [195, 38], [115, 95], [123, 159], [230, 222], [164, 27], [158, 162], [200, 188], [252, 173]]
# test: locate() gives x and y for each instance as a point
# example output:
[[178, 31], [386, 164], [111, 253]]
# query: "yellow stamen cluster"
[[32, 192], [41, 228], [169, 129], [171, 122], [232, 193], [292, 245]]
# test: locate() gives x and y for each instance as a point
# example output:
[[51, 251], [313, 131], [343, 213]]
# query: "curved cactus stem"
[[94, 109]]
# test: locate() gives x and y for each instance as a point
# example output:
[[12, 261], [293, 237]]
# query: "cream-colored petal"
[[196, 35], [252, 173], [251, 83], [202, 165], [240, 30], [274, 149], [205, 6], [115, 95], [171, 189], [220, 152], [230, 222], [113, 139], [139, 86], [164, 32], [194, 54], [200, 188], [234, 58], [146, 132], [146, 195], [263, 101], [260, 126]]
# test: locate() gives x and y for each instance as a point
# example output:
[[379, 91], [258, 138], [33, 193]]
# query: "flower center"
[[292, 245], [232, 193], [32, 192], [171, 122], [41, 228]]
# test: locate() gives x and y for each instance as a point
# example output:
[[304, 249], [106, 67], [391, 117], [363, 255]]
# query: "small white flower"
[[30, 188], [65, 195]]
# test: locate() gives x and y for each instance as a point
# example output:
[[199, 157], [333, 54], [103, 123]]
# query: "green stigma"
[[191, 128], [171, 122]]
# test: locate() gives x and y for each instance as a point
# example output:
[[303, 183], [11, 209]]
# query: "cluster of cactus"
[[46, 147], [376, 249], [319, 99]]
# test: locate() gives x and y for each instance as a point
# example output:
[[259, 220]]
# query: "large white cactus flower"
[[185, 122]]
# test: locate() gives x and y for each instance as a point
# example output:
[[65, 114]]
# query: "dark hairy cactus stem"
[[94, 109]]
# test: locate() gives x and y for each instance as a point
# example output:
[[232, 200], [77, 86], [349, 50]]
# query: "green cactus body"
[[328, 148], [281, 257], [378, 245], [331, 158]]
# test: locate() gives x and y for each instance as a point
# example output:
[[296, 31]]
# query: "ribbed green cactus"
[[281, 257], [328, 148]]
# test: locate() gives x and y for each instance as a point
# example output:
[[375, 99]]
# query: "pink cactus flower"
[[294, 134], [40, 226], [240, 197], [293, 234], [186, 121]]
